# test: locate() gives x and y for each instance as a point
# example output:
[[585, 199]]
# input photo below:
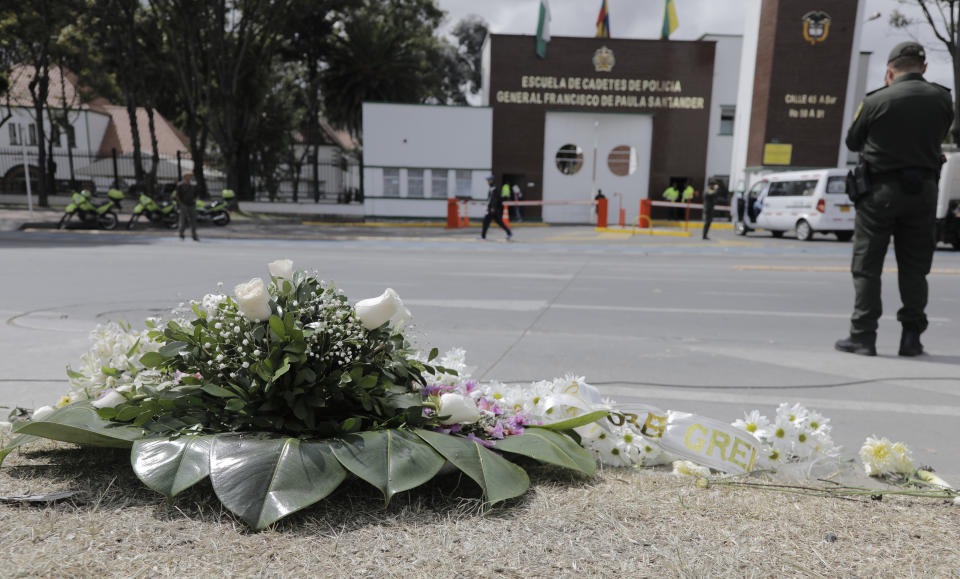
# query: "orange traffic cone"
[[506, 216]]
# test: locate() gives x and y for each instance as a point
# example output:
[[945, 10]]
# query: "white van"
[[808, 202], [948, 203]]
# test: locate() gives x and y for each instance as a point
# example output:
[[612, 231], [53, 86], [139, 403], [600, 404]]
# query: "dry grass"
[[621, 522]]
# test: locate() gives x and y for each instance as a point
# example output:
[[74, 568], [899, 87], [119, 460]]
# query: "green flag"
[[670, 21], [543, 29]]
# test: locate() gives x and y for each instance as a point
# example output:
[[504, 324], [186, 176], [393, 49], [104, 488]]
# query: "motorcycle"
[[215, 210], [162, 213], [93, 212]]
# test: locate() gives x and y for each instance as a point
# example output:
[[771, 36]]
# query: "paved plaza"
[[713, 327]]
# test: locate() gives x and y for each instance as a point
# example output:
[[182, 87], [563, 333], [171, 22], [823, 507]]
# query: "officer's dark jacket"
[[494, 201], [902, 125]]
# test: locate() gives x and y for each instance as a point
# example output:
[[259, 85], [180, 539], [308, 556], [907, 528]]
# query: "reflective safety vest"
[[688, 193], [505, 191], [671, 194]]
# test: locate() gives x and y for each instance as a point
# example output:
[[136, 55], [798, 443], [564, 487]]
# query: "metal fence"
[[337, 179]]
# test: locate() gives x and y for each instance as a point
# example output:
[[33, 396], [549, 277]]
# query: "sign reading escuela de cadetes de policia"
[[800, 83], [671, 80]]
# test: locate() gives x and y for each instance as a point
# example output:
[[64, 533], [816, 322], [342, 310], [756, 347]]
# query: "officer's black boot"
[[861, 345], [910, 343]]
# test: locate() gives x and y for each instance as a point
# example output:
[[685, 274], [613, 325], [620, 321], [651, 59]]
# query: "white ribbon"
[[710, 442]]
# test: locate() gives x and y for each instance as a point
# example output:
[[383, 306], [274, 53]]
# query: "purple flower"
[[496, 431], [480, 441], [434, 390], [470, 385]]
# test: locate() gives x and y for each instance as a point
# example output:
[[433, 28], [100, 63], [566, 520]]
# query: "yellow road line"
[[643, 232]]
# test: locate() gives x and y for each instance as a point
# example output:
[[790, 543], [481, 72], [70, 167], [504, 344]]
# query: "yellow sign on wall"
[[777, 154]]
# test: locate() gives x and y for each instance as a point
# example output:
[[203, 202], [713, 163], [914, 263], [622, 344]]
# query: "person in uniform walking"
[[186, 195], [709, 200], [898, 131], [495, 201]]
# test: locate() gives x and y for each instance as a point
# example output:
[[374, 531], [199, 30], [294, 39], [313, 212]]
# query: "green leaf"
[[127, 413], [80, 424], [15, 443], [433, 354], [264, 479], [235, 404], [73, 374], [552, 447], [133, 348], [367, 382], [152, 359], [169, 466], [572, 423], [283, 369], [499, 478], [172, 349], [276, 325], [391, 460], [218, 391]]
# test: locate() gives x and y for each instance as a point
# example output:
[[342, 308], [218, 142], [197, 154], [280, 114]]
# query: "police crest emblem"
[[816, 26], [603, 59]]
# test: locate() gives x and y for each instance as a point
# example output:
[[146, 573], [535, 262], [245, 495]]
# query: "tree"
[[470, 33], [244, 43], [943, 17], [185, 38], [30, 34], [387, 51], [307, 37]]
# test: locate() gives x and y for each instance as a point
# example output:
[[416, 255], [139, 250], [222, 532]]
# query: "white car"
[[808, 202]]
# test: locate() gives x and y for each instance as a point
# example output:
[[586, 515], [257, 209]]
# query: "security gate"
[[584, 152]]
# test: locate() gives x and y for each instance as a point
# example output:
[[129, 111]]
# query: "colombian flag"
[[670, 21], [603, 21]]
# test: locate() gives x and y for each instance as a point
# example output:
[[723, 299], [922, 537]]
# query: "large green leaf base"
[[264, 477]]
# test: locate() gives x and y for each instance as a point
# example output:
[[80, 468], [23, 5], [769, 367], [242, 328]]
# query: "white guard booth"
[[586, 152]]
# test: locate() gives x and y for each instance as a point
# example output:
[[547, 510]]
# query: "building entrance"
[[588, 152]]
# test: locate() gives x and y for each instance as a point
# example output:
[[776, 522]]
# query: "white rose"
[[111, 399], [281, 268], [42, 412], [461, 409], [374, 312], [253, 300]]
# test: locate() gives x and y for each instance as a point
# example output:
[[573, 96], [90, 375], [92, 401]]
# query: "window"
[[622, 160], [32, 135], [414, 182], [71, 137], [464, 184], [391, 182], [569, 159], [438, 183], [727, 114], [837, 185], [792, 188], [14, 136], [55, 135]]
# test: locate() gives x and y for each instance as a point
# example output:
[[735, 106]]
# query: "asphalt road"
[[717, 328]]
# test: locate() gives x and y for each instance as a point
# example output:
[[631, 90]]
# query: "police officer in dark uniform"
[[898, 131]]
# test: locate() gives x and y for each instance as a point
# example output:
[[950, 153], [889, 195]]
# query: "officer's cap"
[[908, 48]]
